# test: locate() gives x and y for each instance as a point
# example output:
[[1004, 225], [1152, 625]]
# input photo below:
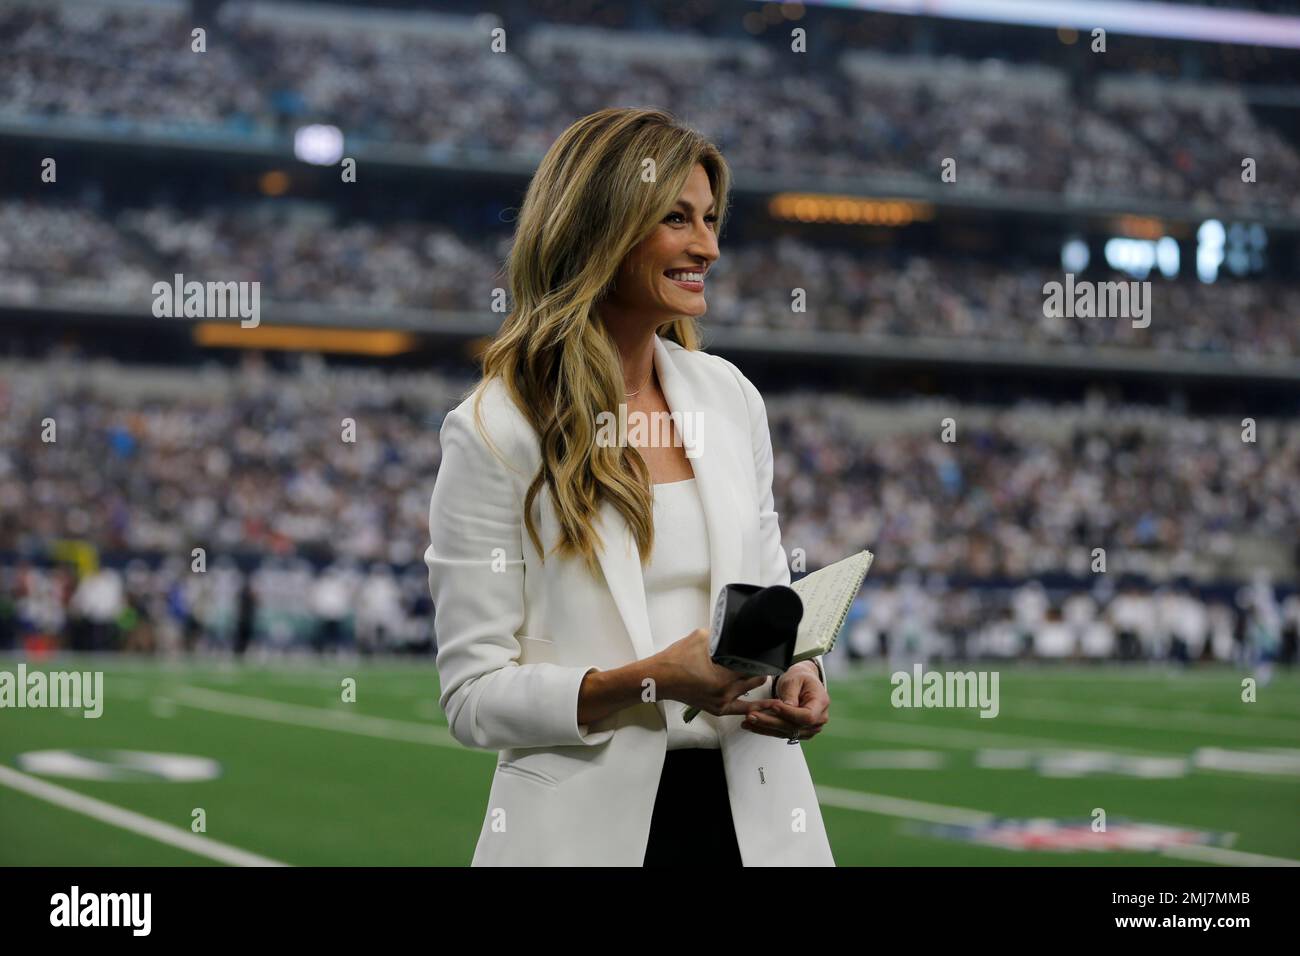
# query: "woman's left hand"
[[801, 705]]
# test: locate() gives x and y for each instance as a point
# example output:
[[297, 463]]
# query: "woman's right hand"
[[689, 675]]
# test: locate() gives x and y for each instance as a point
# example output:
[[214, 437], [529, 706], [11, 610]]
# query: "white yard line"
[[957, 738], [1233, 725], [130, 820], [1217, 854], [1085, 675], [1173, 694], [1270, 712], [898, 807], [241, 705], [259, 708]]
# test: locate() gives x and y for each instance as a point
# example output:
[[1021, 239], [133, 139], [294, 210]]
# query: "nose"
[[704, 244]]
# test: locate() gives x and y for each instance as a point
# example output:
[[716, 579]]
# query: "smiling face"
[[663, 277]]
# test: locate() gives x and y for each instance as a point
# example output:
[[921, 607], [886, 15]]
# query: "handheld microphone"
[[754, 630]]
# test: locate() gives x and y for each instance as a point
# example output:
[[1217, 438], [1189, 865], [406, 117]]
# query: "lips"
[[693, 286]]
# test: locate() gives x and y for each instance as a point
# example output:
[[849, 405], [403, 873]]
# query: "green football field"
[[290, 773]]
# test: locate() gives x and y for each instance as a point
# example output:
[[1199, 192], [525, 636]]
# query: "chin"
[[688, 310], [694, 308]]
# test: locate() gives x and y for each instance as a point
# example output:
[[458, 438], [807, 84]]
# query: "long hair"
[[603, 186]]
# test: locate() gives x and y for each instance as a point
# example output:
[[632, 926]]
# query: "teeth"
[[687, 276]]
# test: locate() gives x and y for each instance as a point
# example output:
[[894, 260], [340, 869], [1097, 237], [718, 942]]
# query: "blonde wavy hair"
[[587, 206]]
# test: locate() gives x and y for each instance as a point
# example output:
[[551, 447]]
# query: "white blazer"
[[516, 636]]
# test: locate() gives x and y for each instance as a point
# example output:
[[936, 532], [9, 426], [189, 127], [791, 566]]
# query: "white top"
[[677, 594]]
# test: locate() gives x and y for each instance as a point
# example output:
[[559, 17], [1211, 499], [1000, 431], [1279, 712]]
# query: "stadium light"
[[318, 144], [304, 339], [1170, 20], [1075, 255], [848, 210], [1133, 256], [1209, 249], [1167, 256]]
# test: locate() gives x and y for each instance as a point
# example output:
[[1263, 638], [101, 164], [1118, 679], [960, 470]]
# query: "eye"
[[677, 216]]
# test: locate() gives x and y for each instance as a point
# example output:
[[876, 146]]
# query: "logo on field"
[[1075, 836], [119, 765]]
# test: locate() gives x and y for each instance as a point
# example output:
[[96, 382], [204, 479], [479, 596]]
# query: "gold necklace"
[[628, 394]]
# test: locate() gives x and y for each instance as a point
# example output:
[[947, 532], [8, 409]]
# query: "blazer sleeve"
[[476, 580], [774, 567]]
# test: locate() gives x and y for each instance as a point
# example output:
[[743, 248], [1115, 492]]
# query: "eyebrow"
[[691, 208]]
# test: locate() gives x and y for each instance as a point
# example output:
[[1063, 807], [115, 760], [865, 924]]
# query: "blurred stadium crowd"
[[916, 621], [63, 254], [286, 606], [1019, 127], [253, 464], [984, 546]]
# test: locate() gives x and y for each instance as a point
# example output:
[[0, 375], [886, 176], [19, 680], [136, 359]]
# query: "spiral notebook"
[[827, 595]]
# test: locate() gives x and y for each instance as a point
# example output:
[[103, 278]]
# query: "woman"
[[573, 566]]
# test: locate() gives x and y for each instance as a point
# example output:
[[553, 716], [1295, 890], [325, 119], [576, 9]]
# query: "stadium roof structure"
[[1174, 21]]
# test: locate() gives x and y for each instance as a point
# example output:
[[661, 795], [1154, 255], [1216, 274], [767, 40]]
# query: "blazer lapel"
[[619, 559]]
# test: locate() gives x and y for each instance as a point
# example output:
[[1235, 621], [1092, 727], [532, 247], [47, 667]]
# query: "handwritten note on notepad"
[[827, 595]]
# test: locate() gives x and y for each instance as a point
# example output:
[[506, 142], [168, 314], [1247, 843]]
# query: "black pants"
[[692, 823]]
